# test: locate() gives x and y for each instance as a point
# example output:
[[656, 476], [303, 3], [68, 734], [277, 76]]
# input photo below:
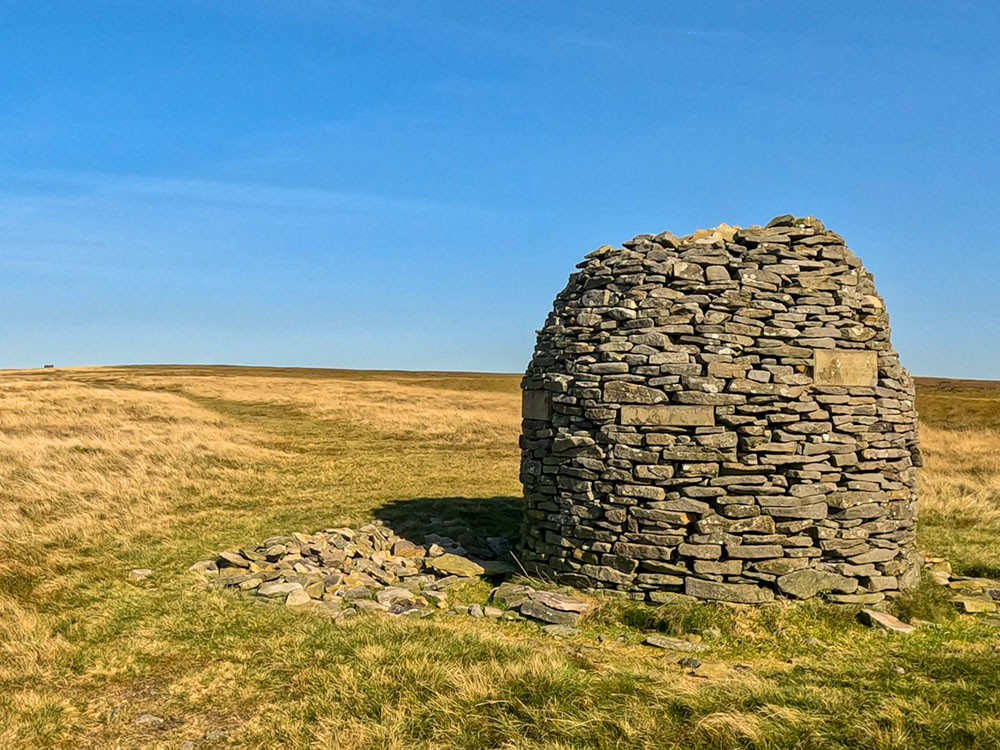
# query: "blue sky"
[[408, 184]]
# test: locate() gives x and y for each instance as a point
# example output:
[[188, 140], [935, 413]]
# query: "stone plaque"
[[673, 416], [848, 367], [536, 405]]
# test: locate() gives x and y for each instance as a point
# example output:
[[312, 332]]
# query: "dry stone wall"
[[721, 415]]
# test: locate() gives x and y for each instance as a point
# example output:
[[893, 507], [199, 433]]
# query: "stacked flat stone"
[[721, 415]]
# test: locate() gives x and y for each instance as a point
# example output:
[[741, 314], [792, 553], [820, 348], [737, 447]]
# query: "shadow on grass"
[[468, 520]]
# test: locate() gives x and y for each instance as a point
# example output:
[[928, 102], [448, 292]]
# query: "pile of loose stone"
[[973, 595], [342, 572], [721, 414]]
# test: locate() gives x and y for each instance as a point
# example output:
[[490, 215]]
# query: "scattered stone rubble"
[[342, 572], [972, 595], [721, 414]]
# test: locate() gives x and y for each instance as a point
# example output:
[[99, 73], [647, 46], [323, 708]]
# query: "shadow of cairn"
[[485, 527]]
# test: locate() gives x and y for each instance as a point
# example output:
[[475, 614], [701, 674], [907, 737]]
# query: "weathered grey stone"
[[884, 620], [742, 593], [673, 644], [511, 594], [805, 584], [672, 416], [539, 611], [456, 565], [620, 392], [850, 499], [701, 551], [973, 605], [278, 589], [205, 567], [560, 631], [234, 559], [393, 595], [753, 551], [560, 602], [297, 598], [747, 373], [782, 566]]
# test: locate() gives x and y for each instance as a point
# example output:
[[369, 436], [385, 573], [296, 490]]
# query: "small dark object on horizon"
[[49, 367]]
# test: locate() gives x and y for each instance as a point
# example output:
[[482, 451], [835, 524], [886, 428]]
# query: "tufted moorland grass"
[[107, 469]]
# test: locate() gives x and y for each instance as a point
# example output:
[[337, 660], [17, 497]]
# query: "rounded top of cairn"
[[781, 230]]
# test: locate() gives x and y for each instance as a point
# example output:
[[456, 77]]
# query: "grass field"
[[107, 469]]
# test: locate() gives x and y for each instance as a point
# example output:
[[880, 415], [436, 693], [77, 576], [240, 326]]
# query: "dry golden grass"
[[77, 459], [961, 476], [106, 469], [412, 412]]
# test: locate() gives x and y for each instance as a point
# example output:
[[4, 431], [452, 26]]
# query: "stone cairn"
[[722, 415]]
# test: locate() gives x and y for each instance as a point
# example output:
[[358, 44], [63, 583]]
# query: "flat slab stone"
[[560, 631], [456, 565], [393, 595], [297, 598], [972, 605], [670, 416], [538, 611], [512, 594], [740, 593], [804, 584], [885, 621], [493, 568], [846, 367], [673, 644], [560, 601], [974, 583], [278, 589], [873, 598], [235, 559]]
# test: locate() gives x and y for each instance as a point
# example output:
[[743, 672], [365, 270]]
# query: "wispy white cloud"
[[72, 224], [56, 187], [574, 33]]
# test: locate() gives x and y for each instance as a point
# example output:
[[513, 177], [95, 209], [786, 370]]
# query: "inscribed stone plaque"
[[848, 367], [536, 405], [674, 416]]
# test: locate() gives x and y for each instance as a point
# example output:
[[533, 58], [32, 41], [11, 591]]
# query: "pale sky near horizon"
[[408, 184]]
